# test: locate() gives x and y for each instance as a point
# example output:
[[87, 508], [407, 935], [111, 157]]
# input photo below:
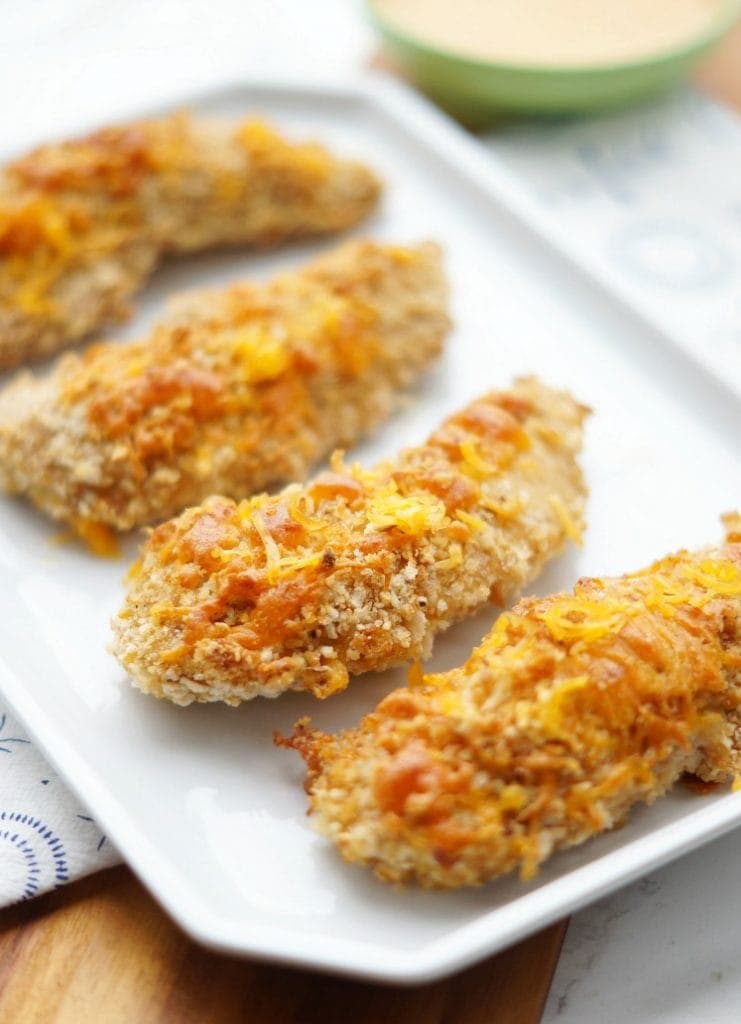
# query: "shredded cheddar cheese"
[[717, 578], [578, 618], [571, 527], [454, 559], [264, 355], [503, 510], [475, 523], [134, 570], [413, 515], [473, 462], [100, 538], [359, 568], [125, 196], [415, 674], [266, 146], [552, 715], [575, 708], [300, 507]]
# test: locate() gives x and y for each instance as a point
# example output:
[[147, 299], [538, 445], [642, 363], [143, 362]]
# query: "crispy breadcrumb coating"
[[360, 569], [84, 223], [237, 390], [574, 708]]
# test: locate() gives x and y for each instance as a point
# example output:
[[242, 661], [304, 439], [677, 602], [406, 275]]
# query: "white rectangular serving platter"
[[199, 802]]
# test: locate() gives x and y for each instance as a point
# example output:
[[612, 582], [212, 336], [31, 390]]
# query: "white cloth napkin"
[[46, 837]]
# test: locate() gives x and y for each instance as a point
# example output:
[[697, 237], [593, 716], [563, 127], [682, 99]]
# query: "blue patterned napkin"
[[46, 837]]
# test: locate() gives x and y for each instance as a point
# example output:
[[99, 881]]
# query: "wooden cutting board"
[[100, 951]]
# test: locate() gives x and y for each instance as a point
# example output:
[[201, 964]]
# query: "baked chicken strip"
[[239, 389], [360, 569], [84, 223], [574, 708]]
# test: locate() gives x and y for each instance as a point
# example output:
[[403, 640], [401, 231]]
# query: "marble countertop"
[[664, 950]]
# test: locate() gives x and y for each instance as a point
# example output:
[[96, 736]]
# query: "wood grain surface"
[[100, 951], [721, 72]]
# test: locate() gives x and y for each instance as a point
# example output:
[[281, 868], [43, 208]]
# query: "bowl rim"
[[717, 28]]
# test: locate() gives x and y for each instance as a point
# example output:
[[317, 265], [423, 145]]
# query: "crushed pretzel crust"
[[359, 569], [83, 223], [237, 390], [574, 708]]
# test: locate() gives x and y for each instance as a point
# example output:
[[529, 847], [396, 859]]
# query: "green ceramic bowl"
[[478, 91]]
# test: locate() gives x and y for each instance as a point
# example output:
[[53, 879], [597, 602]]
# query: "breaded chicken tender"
[[574, 708], [84, 223], [360, 569], [237, 390]]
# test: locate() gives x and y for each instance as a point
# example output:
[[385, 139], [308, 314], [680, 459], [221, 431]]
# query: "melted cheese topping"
[[573, 708], [423, 506], [412, 514], [67, 204], [150, 395]]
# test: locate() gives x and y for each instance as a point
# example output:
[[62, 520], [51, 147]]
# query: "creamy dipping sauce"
[[553, 33]]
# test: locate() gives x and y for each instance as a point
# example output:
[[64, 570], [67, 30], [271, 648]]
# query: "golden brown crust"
[[83, 223], [574, 708], [237, 390], [360, 569]]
